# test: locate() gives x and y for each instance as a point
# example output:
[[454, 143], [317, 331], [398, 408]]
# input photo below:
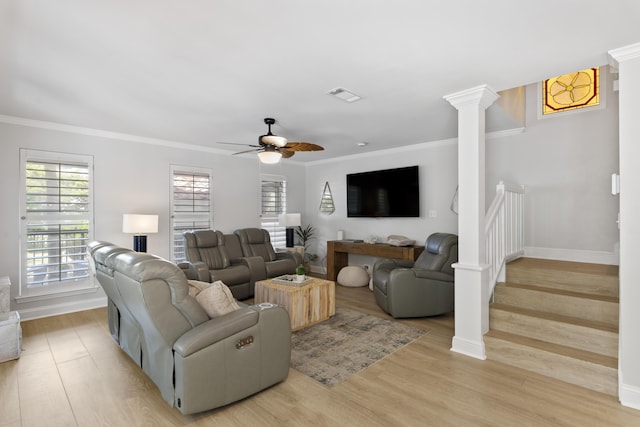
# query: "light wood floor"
[[71, 373]]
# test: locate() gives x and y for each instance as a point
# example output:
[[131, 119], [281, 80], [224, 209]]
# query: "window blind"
[[191, 207], [273, 202]]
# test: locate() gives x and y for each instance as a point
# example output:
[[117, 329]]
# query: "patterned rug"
[[347, 343]]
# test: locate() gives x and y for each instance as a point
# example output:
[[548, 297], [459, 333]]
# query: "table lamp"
[[139, 226], [289, 220]]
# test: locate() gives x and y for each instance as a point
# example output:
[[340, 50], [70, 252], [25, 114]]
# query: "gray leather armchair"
[[420, 289], [215, 256], [256, 242], [196, 362]]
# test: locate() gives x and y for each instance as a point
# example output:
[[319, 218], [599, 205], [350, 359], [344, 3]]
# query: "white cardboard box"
[[5, 292], [10, 336]]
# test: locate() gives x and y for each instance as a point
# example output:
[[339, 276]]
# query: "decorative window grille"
[[273, 202], [571, 91], [191, 205], [56, 220]]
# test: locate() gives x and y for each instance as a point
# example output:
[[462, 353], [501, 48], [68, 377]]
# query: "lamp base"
[[140, 243], [289, 235]]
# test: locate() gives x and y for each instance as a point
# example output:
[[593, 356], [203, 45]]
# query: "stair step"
[[574, 304], [597, 337], [582, 368], [595, 279]]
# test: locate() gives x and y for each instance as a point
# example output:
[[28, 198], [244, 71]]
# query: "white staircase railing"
[[504, 229]]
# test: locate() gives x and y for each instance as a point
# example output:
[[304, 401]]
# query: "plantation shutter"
[[191, 206], [273, 202], [57, 218]]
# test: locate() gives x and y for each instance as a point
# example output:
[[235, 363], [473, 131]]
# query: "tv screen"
[[384, 193]]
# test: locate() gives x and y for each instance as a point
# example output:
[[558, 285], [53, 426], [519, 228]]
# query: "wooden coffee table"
[[307, 304]]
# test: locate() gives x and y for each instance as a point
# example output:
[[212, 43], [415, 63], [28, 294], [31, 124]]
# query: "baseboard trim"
[[629, 396], [575, 255], [469, 348], [65, 308]]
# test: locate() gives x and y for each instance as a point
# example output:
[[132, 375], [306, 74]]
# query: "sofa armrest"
[[215, 330], [433, 275], [256, 265], [390, 264], [196, 271], [407, 276], [294, 256], [208, 376]]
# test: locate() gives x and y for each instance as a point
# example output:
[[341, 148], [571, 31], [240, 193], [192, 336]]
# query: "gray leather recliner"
[[256, 242], [420, 289], [196, 362]]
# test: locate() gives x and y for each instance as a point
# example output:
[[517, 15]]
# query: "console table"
[[338, 253]]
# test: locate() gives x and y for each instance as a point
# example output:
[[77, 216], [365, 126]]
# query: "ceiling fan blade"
[[237, 143], [286, 153], [303, 146], [253, 150]]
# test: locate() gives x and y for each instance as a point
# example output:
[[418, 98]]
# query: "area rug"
[[347, 343]]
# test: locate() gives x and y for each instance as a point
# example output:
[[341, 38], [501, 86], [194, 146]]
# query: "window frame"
[[27, 293], [188, 216], [277, 233]]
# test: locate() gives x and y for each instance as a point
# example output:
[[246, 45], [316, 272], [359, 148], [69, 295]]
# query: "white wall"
[[130, 177], [438, 179], [565, 162]]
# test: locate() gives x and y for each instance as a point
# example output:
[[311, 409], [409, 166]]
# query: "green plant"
[[305, 235], [300, 270]]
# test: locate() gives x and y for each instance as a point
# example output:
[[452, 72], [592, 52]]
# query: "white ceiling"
[[203, 71]]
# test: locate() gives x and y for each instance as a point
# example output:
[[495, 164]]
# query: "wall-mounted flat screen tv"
[[389, 193]]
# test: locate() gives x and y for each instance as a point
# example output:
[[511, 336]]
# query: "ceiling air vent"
[[344, 94]]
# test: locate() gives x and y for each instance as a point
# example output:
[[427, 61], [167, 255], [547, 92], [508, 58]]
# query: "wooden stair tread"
[[565, 266], [555, 317], [558, 291], [587, 356]]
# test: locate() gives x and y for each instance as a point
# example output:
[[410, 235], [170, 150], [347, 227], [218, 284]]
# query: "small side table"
[[307, 304]]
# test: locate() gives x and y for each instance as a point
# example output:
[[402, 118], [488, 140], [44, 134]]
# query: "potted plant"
[[305, 235], [300, 272]]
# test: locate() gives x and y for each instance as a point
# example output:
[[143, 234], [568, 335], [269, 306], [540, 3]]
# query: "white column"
[[471, 271], [627, 60]]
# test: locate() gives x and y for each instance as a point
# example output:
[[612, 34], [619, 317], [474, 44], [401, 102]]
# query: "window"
[[191, 205], [273, 202], [571, 91], [56, 221]]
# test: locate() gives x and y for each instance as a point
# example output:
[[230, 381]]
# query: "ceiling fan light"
[[275, 140], [269, 157]]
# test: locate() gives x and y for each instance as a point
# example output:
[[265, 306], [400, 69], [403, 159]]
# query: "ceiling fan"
[[271, 148]]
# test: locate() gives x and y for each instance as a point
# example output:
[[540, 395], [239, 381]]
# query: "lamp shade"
[[289, 219], [269, 157], [139, 224]]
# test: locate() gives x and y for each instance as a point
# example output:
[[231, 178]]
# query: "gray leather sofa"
[[213, 256], [196, 362], [239, 259], [256, 242], [420, 289]]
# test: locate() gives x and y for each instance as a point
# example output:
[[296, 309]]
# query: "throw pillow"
[[216, 299], [196, 286]]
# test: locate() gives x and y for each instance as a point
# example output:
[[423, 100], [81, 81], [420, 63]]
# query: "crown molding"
[[20, 121], [625, 53]]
